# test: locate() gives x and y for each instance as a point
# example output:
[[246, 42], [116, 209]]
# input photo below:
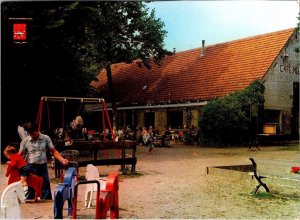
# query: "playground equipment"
[[65, 192], [71, 156], [258, 177], [127, 154], [11, 198], [107, 199], [33, 181], [92, 173], [103, 141], [63, 100], [295, 169]]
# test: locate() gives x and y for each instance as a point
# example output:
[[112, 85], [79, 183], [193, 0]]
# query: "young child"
[[149, 142], [67, 139], [17, 162]]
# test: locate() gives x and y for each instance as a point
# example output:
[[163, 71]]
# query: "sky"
[[190, 22]]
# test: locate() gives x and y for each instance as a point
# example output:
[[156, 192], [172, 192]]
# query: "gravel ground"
[[172, 183]]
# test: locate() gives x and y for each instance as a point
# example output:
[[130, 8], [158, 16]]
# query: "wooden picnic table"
[[120, 158]]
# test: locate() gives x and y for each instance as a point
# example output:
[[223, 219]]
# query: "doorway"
[[175, 119], [149, 119], [295, 110]]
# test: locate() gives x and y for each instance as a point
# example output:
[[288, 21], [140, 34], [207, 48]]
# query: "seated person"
[[166, 133], [59, 132], [90, 134], [107, 134], [67, 139], [76, 126]]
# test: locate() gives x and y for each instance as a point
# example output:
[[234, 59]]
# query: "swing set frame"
[[46, 99]]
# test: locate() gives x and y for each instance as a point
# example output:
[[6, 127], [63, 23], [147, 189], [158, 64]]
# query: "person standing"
[[144, 135], [35, 146], [150, 141]]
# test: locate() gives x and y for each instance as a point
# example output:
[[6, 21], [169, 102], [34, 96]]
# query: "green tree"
[[227, 121], [70, 43], [52, 63], [126, 31], [297, 49], [58, 51]]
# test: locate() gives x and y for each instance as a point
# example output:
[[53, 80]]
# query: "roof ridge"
[[256, 36], [237, 40]]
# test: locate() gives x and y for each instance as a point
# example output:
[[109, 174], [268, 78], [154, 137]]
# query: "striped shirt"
[[36, 150]]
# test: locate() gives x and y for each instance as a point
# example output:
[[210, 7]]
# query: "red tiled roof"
[[224, 68]]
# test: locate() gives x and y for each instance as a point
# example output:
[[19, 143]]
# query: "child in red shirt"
[[17, 162]]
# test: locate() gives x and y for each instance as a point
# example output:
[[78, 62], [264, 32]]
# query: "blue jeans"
[[42, 170], [26, 170]]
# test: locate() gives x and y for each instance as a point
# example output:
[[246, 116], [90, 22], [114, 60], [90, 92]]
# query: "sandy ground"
[[172, 183]]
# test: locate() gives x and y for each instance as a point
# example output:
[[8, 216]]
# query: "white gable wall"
[[279, 83]]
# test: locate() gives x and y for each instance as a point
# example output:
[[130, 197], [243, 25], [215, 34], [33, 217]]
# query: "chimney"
[[174, 50], [203, 48]]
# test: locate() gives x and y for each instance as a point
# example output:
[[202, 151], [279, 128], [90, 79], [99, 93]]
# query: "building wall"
[[195, 114], [279, 83], [184, 118], [140, 119], [161, 119]]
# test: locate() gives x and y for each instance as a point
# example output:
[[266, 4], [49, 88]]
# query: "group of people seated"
[[144, 136], [121, 133], [76, 130], [188, 134]]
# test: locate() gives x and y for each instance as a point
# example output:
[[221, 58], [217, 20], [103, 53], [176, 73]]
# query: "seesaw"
[[106, 200], [65, 192], [33, 181], [11, 198]]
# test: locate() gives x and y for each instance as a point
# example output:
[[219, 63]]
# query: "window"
[[149, 119], [175, 119], [272, 116]]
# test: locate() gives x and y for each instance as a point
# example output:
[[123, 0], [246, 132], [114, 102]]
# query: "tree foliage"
[[52, 55], [70, 43], [136, 34], [227, 121], [126, 31]]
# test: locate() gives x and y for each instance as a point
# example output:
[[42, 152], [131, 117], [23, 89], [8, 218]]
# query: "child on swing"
[[17, 162], [76, 127]]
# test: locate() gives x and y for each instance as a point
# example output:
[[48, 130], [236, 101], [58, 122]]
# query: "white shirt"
[[22, 132]]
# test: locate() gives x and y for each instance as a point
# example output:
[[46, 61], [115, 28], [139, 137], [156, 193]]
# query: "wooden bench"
[[258, 177], [121, 157]]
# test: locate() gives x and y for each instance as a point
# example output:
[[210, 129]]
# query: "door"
[[149, 119], [295, 110]]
